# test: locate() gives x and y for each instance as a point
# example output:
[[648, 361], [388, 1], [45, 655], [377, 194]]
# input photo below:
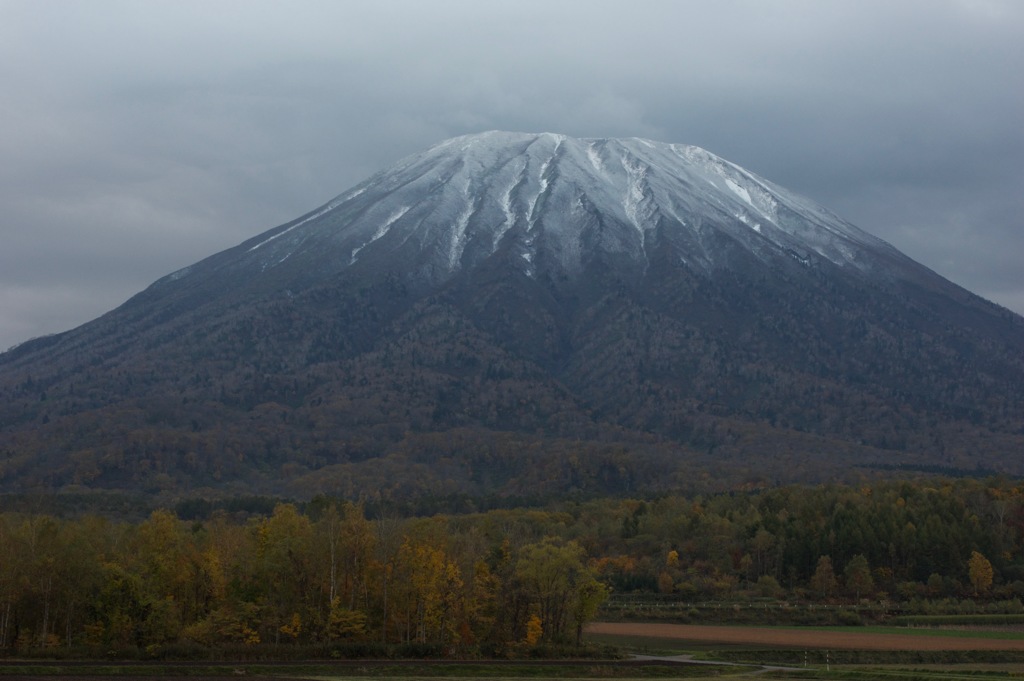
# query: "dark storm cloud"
[[141, 137]]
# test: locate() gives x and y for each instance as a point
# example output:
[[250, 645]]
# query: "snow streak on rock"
[[543, 181], [634, 192], [382, 230], [506, 205], [557, 202], [326, 209], [739, 191], [458, 238], [595, 158]]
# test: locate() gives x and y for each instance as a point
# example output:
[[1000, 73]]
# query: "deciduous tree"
[[979, 569], [857, 576], [823, 581]]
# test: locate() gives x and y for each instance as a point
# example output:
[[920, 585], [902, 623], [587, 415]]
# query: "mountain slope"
[[513, 313]]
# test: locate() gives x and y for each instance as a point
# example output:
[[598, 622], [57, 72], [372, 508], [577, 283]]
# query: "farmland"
[[849, 638]]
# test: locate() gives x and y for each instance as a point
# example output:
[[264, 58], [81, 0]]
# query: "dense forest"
[[333, 571], [334, 391]]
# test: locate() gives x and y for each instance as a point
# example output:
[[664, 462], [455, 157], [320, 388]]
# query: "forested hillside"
[[518, 314]]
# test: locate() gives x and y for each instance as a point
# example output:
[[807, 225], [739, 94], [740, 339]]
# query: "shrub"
[[849, 618]]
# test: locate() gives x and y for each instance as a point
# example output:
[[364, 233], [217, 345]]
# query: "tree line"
[[898, 541], [329, 574], [331, 571]]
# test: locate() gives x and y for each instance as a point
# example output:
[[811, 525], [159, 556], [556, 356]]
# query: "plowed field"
[[802, 638]]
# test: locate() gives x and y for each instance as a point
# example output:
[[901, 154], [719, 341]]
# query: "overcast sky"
[[139, 137]]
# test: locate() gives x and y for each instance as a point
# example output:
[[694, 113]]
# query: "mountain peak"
[[635, 307], [553, 204]]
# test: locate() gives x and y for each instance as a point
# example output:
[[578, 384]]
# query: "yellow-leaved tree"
[[560, 585], [979, 569]]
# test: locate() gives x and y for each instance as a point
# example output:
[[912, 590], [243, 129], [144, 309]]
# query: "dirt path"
[[796, 638]]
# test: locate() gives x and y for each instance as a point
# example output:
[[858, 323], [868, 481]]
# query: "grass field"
[[371, 670], [524, 672], [693, 652], [850, 638], [866, 653]]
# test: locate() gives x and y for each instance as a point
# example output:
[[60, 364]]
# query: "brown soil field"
[[796, 638]]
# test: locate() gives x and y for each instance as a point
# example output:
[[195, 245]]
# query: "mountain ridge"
[[655, 304]]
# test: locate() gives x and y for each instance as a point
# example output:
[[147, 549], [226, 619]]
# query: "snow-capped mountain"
[[525, 312], [556, 204]]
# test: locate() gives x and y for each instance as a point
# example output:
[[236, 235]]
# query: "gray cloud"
[[141, 137]]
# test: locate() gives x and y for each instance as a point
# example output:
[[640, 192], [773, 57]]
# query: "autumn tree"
[[120, 609], [857, 576], [560, 585], [344, 623], [10, 574], [589, 596], [284, 577], [534, 631], [343, 546], [175, 577], [387, 543], [432, 588], [823, 581], [980, 572]]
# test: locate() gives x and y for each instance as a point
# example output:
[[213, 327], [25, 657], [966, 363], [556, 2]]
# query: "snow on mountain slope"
[[554, 202]]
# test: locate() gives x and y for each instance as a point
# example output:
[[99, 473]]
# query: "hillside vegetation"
[[505, 581]]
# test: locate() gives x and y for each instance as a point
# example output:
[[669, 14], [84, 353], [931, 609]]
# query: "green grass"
[[643, 645], [983, 619], [114, 670], [846, 664], [544, 672]]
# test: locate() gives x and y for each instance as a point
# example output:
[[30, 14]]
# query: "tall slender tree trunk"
[[384, 618], [5, 621], [44, 627]]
